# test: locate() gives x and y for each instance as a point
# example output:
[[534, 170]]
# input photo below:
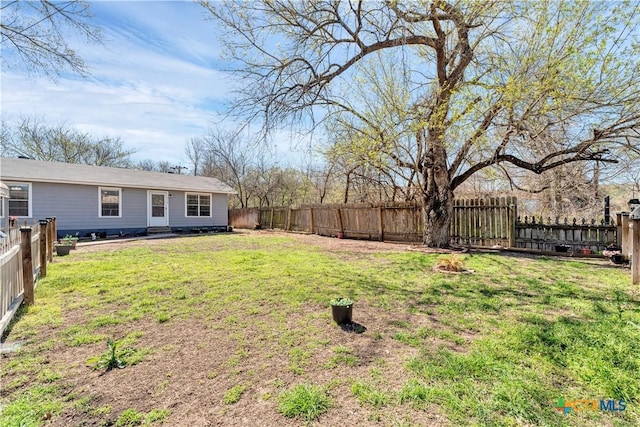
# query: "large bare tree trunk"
[[437, 218], [437, 197]]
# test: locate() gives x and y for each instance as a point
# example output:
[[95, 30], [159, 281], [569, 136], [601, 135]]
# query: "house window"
[[20, 200], [198, 204], [110, 202]]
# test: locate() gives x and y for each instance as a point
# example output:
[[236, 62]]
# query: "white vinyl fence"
[[12, 277]]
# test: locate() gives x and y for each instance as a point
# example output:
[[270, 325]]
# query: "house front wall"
[[178, 211], [76, 209]]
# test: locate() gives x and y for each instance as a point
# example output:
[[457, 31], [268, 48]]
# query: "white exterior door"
[[158, 208]]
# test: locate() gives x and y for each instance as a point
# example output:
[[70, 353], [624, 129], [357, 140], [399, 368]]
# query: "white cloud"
[[155, 82], [151, 92]]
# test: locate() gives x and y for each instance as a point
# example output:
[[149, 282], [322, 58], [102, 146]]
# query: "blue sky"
[[156, 82]]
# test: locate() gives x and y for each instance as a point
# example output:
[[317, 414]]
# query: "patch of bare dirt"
[[192, 366], [194, 362]]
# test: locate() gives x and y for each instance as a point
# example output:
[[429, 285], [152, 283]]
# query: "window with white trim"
[[19, 200], [198, 204], [110, 205], [1, 207]]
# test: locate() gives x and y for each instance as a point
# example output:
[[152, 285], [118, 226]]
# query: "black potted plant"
[[342, 309], [63, 247], [69, 240]]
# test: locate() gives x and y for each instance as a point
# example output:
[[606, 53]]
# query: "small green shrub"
[[233, 394], [112, 358], [163, 317], [341, 301], [129, 417], [156, 415], [304, 401]]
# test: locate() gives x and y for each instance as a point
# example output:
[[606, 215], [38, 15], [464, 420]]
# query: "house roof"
[[14, 169]]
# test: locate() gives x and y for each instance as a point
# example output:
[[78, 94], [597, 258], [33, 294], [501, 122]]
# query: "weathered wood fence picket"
[[24, 254], [475, 222], [574, 235]]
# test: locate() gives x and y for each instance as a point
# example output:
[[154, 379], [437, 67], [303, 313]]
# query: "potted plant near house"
[[69, 240], [342, 310], [63, 247]]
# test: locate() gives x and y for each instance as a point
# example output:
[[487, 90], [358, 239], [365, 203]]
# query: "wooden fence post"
[[380, 224], [512, 222], [311, 220], [44, 234], [287, 225], [624, 243], [51, 238], [618, 228], [27, 265], [340, 222], [271, 220], [635, 251]]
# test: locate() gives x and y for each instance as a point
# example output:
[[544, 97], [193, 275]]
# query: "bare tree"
[[487, 82], [33, 35], [36, 139], [195, 151], [157, 166], [228, 156]]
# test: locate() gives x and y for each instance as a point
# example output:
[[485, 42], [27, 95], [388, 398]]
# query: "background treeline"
[[263, 178]]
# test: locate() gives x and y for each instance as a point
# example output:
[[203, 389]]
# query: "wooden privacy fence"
[[484, 222], [24, 254], [574, 235], [475, 222]]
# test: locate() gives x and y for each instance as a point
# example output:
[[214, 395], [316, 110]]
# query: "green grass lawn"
[[220, 327]]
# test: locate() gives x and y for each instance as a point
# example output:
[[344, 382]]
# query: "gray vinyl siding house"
[[113, 201]]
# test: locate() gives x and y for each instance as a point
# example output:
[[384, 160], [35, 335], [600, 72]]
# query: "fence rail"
[[23, 256], [574, 235], [475, 223], [11, 279], [484, 222]]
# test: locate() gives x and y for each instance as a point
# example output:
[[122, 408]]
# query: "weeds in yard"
[[113, 358], [620, 302], [343, 356], [163, 317], [369, 395], [156, 416], [32, 406], [130, 417], [304, 401], [298, 360], [233, 395], [414, 392], [496, 348]]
